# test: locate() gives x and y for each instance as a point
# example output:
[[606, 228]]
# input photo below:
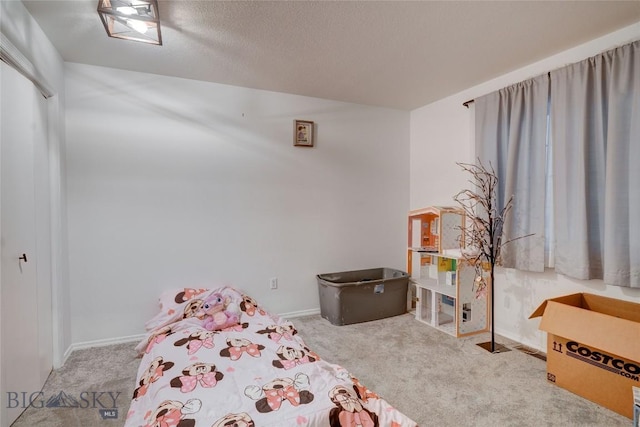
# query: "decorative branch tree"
[[482, 235]]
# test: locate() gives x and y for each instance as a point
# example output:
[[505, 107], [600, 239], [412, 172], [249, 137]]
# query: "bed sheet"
[[259, 372]]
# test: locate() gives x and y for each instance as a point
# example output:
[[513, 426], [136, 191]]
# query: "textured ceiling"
[[394, 54]]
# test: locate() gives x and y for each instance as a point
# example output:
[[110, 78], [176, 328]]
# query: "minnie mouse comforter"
[[256, 373]]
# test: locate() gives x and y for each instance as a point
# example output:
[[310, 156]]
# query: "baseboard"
[[65, 356], [131, 338], [301, 313], [101, 343]]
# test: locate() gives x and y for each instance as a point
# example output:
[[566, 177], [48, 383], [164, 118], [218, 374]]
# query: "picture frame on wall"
[[303, 133]]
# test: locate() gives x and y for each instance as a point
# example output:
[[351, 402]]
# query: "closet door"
[[24, 305]]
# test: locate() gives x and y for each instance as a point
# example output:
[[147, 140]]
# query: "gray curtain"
[[595, 124], [511, 129]]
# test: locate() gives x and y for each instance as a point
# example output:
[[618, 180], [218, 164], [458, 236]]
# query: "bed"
[[256, 372]]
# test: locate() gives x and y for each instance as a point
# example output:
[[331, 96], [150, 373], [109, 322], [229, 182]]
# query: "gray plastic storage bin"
[[359, 296]]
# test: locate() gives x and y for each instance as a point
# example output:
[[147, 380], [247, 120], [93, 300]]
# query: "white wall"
[[176, 182], [24, 33], [441, 135]]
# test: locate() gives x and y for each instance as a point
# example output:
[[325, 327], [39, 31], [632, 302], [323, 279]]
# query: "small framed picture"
[[303, 133]]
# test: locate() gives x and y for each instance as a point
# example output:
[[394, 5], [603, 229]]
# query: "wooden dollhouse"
[[446, 297]]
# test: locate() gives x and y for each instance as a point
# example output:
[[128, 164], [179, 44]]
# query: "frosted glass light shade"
[[135, 20]]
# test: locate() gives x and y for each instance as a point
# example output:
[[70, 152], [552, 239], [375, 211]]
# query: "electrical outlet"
[[273, 283]]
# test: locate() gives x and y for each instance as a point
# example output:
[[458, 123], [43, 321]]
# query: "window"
[[566, 146]]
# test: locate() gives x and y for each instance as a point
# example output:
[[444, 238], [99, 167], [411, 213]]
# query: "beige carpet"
[[436, 379]]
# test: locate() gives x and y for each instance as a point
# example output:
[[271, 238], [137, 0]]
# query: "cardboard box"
[[593, 347]]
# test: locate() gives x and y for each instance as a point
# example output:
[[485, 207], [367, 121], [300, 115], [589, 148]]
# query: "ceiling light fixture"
[[135, 20]]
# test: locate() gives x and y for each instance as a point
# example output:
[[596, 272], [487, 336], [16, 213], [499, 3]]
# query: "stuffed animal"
[[219, 312]]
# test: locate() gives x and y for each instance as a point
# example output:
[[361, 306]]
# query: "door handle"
[[23, 257]]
